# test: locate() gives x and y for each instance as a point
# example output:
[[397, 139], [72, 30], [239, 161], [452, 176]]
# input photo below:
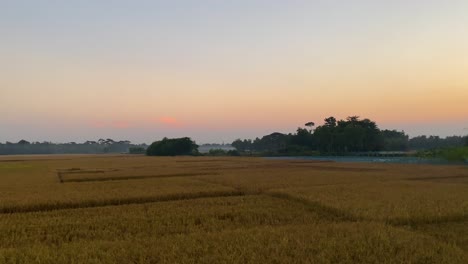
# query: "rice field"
[[137, 209]]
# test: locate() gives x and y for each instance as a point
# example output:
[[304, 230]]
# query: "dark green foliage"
[[296, 150], [303, 138], [455, 154], [217, 152], [172, 147], [336, 137], [435, 142], [23, 142], [273, 143], [233, 153], [88, 147], [222, 152], [137, 150], [243, 145], [394, 140], [333, 137], [350, 135]]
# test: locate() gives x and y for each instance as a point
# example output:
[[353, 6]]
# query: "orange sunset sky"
[[220, 70]]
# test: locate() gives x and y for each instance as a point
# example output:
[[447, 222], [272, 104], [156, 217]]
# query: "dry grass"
[[321, 243], [396, 202], [136, 209]]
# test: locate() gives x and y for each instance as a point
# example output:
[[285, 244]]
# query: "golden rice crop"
[[137, 209]]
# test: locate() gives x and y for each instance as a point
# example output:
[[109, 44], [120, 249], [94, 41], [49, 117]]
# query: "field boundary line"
[[137, 177], [436, 178], [325, 212], [47, 207], [59, 176]]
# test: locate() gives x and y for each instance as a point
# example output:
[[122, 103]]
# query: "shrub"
[[455, 154], [217, 152], [172, 147], [233, 153]]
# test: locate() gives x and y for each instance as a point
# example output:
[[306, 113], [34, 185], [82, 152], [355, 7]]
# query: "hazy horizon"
[[200, 136], [218, 71]]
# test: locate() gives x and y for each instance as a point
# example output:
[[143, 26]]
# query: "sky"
[[220, 70]]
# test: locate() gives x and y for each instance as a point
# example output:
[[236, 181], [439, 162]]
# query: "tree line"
[[351, 135], [88, 147]]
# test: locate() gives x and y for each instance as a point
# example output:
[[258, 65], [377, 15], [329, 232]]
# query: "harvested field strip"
[[437, 178], [61, 173], [325, 212], [215, 168], [311, 161], [127, 178], [203, 160], [33, 159], [45, 207], [83, 171], [304, 166], [336, 168]]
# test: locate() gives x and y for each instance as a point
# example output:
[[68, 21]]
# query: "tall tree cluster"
[[350, 135]]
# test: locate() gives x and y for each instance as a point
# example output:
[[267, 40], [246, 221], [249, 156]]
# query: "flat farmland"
[[138, 209]]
